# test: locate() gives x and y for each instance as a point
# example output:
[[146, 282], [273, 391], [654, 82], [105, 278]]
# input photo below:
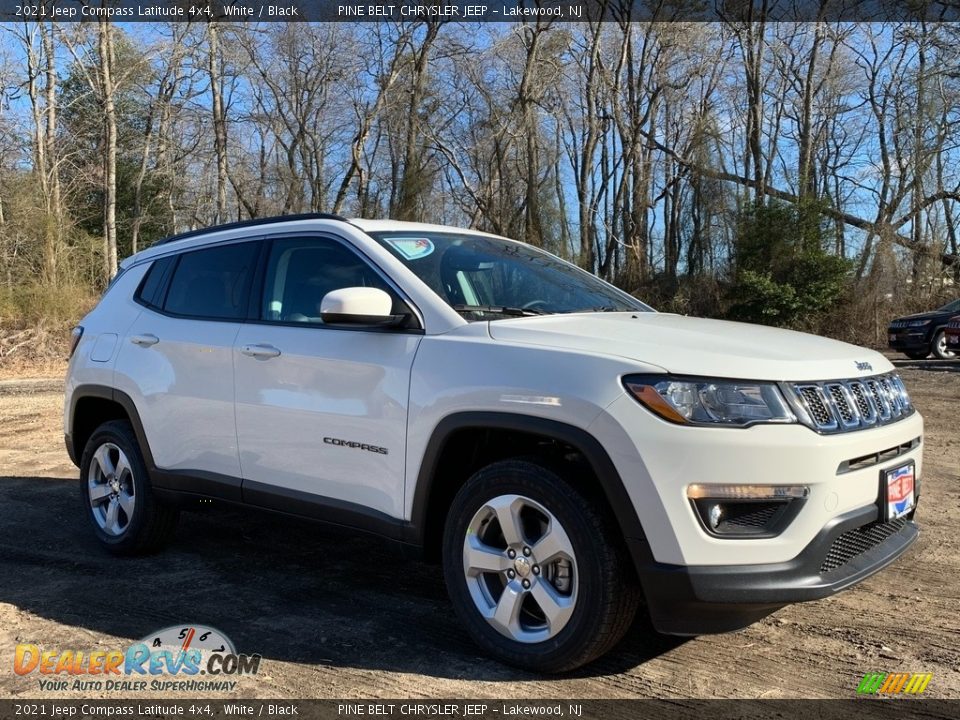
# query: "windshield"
[[951, 307], [482, 276]]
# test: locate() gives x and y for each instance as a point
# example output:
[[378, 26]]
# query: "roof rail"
[[254, 222]]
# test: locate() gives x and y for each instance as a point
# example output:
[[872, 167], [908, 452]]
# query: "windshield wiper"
[[501, 310], [599, 308]]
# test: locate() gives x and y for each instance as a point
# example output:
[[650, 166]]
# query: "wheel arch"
[[433, 494], [93, 405]]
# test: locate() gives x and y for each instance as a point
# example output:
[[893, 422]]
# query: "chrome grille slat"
[[892, 396], [817, 406], [844, 405], [868, 411], [856, 404], [883, 405]]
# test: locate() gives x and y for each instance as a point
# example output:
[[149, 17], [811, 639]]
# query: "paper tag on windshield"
[[411, 248]]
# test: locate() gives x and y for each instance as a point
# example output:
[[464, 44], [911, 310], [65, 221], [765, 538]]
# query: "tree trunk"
[[105, 50], [413, 182], [54, 203], [219, 119]]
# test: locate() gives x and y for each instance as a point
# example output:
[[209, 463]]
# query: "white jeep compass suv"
[[562, 449]]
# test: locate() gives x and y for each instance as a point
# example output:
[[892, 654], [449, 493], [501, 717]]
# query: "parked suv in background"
[[952, 334], [559, 447], [916, 336]]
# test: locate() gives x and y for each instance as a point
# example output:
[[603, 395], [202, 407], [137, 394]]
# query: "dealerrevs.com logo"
[[191, 658]]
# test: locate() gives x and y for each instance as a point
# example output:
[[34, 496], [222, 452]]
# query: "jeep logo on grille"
[[863, 365]]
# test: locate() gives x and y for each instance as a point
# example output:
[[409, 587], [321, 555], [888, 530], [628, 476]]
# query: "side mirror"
[[358, 306]]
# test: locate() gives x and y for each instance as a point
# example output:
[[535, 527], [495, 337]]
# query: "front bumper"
[[658, 461], [902, 340], [693, 600]]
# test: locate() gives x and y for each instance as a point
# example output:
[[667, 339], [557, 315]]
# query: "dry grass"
[[35, 324]]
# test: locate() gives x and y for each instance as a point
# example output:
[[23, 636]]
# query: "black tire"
[[939, 346], [607, 595], [152, 523], [917, 354]]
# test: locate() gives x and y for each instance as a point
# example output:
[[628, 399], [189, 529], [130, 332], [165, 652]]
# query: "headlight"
[[710, 402], [918, 323]]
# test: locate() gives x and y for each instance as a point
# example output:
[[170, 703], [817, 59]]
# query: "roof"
[[230, 231], [254, 222], [405, 226]]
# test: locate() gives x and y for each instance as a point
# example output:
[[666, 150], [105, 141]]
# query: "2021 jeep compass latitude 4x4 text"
[[560, 448]]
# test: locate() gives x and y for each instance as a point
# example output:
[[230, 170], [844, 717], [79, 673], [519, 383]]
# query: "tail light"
[[75, 336]]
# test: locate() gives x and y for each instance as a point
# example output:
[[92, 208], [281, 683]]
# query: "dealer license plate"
[[898, 491]]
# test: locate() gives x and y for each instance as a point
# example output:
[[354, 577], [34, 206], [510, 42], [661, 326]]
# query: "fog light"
[[746, 511], [716, 512]]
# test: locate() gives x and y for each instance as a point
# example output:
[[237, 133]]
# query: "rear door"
[[177, 364], [321, 411]]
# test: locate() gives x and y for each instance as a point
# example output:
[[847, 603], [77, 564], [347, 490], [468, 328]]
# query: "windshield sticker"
[[412, 248]]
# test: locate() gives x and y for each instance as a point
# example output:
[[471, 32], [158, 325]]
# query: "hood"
[[695, 346], [931, 315]]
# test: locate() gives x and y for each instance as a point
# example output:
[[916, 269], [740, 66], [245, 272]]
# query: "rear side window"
[[213, 283], [151, 288]]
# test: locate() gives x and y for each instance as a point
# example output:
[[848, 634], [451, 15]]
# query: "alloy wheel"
[[520, 568], [111, 490]]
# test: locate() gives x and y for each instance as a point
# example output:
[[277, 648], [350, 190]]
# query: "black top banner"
[[531, 11]]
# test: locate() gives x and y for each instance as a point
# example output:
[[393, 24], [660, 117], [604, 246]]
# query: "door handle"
[[262, 352], [145, 340]]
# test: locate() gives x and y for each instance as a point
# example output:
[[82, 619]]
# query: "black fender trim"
[[581, 440], [102, 392]]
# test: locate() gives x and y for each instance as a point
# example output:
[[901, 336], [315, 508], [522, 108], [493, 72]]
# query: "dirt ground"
[[340, 618]]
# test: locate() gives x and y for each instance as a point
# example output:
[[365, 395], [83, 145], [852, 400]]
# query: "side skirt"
[[196, 490]]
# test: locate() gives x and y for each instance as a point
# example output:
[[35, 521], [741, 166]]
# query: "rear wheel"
[[534, 570], [115, 491], [940, 349]]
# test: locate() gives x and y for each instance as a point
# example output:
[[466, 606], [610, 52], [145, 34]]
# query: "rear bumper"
[[693, 600]]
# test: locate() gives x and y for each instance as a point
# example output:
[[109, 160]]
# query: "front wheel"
[[940, 349], [115, 490], [534, 570]]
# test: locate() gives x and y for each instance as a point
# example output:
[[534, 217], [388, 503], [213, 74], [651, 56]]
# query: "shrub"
[[782, 272]]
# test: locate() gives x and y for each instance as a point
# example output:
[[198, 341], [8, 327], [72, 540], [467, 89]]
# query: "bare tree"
[[105, 51], [218, 116]]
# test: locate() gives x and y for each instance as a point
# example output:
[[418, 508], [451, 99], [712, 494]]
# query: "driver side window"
[[301, 271]]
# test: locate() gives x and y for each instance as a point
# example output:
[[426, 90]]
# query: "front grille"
[[845, 405], [857, 541]]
